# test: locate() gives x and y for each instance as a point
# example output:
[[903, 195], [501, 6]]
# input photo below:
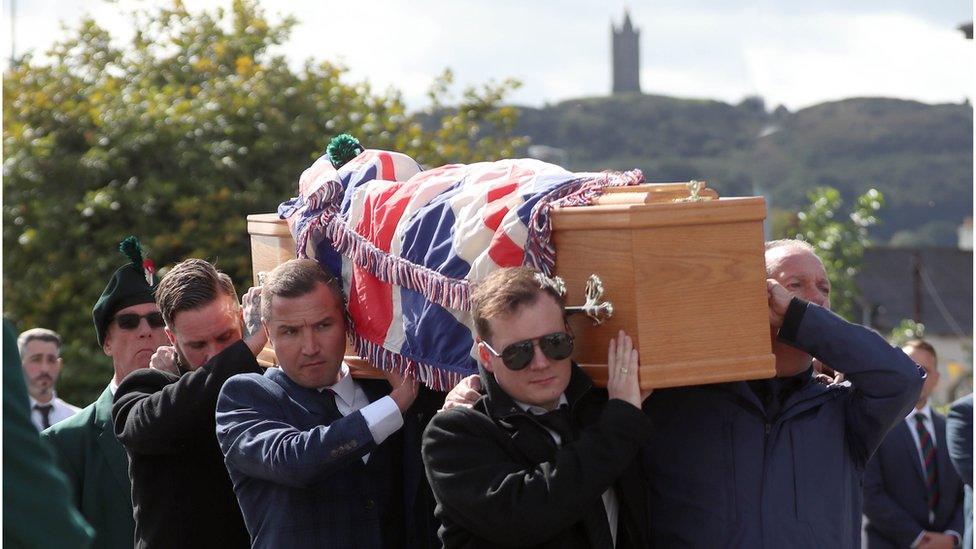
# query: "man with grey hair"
[[777, 462], [40, 356]]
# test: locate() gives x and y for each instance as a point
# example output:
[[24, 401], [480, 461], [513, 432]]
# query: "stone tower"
[[626, 57]]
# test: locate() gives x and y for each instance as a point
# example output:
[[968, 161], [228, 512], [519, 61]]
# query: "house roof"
[[886, 282]]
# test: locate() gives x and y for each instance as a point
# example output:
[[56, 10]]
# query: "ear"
[[484, 356], [107, 345], [170, 336], [267, 332]]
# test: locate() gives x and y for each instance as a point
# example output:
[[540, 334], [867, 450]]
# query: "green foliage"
[[905, 331], [839, 240], [176, 137], [919, 156]]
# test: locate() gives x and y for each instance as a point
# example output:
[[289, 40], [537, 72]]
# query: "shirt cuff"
[[383, 418], [918, 539], [791, 320]]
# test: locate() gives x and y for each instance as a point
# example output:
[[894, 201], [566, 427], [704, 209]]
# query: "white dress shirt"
[[382, 417], [60, 411], [610, 502]]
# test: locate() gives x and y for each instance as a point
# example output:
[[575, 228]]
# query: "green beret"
[[132, 284]]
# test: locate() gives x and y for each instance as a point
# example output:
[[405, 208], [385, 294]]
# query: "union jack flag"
[[408, 244]]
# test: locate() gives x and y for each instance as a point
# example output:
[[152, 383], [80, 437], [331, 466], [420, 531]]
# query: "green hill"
[[918, 155]]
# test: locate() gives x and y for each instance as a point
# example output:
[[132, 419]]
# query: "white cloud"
[[561, 50]]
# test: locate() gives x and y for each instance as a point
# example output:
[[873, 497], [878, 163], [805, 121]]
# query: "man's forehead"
[[794, 260], [139, 309], [40, 346]]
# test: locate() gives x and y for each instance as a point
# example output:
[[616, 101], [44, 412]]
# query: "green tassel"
[[132, 249], [342, 149]]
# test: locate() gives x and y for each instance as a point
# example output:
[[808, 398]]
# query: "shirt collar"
[[345, 388], [925, 412], [54, 397], [538, 410]]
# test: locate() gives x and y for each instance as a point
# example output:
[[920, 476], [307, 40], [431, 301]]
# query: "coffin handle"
[[593, 308]]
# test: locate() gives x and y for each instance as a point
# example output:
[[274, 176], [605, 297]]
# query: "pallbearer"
[[544, 459]]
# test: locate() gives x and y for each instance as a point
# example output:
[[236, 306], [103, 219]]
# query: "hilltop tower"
[[626, 56]]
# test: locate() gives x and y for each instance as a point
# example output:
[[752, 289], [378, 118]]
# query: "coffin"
[[686, 280]]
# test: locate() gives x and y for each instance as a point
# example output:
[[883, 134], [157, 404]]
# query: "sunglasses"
[[130, 321], [518, 355]]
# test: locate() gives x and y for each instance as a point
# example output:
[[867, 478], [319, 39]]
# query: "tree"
[[176, 138], [839, 240]]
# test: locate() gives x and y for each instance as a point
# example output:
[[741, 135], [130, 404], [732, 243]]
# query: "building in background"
[[930, 285], [626, 57]]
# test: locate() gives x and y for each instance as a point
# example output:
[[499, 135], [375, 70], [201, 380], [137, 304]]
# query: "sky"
[[790, 52]]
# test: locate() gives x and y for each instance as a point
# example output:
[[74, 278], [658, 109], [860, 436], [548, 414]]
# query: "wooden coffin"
[[686, 280]]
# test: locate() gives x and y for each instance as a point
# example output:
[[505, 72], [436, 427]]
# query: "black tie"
[[560, 421], [45, 410], [329, 403]]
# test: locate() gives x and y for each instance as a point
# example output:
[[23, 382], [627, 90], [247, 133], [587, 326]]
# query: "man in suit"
[[181, 494], [129, 329], [913, 496], [959, 435], [40, 356], [543, 459], [318, 458]]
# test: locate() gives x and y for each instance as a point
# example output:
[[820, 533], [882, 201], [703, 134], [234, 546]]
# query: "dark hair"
[[505, 290], [295, 278], [191, 284], [922, 345], [41, 334]]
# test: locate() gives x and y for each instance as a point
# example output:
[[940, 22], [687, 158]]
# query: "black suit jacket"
[[895, 501], [181, 493], [500, 480]]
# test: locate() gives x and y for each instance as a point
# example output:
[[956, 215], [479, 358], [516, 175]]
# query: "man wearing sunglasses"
[[777, 462], [129, 329], [181, 494], [543, 459]]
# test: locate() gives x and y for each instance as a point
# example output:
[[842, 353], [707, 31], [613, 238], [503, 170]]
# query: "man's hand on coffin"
[[405, 389], [622, 369], [779, 301], [164, 359], [464, 394], [254, 334]]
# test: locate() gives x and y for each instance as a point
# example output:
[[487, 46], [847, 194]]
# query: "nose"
[[144, 329], [310, 346], [539, 359]]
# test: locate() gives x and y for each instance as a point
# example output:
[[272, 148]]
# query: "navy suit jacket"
[[302, 485], [959, 431], [895, 501]]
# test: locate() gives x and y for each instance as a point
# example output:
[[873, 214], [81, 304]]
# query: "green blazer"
[[37, 511], [97, 470]]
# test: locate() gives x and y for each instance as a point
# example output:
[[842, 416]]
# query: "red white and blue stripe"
[[409, 243]]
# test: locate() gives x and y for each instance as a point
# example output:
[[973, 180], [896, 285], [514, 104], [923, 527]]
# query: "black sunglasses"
[[130, 321], [518, 355]]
